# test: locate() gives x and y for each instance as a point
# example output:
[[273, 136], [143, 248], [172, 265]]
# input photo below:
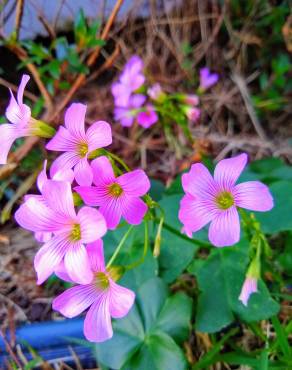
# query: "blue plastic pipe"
[[50, 340]]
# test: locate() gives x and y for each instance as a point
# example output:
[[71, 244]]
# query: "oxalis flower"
[[216, 200], [249, 287], [22, 123], [42, 178], [55, 213], [105, 298], [130, 80], [147, 117], [116, 196], [127, 114], [207, 79], [78, 144]]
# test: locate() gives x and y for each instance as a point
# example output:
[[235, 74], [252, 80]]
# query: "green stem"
[[182, 236], [124, 238], [146, 244], [118, 159]]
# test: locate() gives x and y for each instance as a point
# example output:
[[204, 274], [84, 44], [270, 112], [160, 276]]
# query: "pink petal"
[[35, 216], [96, 255], [195, 214], [64, 141], [133, 209], [77, 264], [249, 287], [63, 175], [111, 210], [43, 237], [24, 80], [62, 273], [121, 300], [97, 324], [228, 170], [99, 135], [91, 195], [17, 112], [49, 256], [8, 134], [253, 195], [225, 228], [42, 177], [102, 171], [92, 224], [199, 183], [83, 172], [75, 120], [75, 300], [58, 195], [135, 183], [64, 162]]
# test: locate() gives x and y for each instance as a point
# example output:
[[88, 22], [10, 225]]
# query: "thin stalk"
[[124, 238], [119, 160], [145, 249]]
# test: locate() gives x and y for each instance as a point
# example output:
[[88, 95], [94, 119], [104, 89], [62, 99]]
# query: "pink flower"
[[147, 117], [55, 213], [78, 144], [192, 99], [207, 79], [105, 298], [193, 114], [66, 175], [130, 80], [216, 200], [127, 114], [249, 287], [116, 196], [19, 115], [155, 91]]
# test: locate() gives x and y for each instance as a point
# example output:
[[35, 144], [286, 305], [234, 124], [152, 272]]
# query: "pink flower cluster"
[[134, 101], [72, 246], [129, 103], [71, 235]]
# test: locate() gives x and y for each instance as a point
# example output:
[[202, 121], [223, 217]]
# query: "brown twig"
[[47, 26], [14, 88], [92, 58], [18, 17], [241, 84]]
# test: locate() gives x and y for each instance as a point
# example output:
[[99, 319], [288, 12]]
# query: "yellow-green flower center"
[[75, 233], [83, 149], [101, 280], [115, 190], [225, 200]]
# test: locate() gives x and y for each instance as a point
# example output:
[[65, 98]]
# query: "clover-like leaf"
[[220, 278], [148, 337]]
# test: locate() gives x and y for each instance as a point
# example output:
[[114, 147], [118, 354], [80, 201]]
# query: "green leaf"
[[142, 340], [220, 278], [176, 253], [279, 218]]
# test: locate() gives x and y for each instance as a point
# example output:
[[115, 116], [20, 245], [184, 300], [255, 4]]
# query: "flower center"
[[225, 200], [115, 190], [101, 280], [76, 233], [83, 149]]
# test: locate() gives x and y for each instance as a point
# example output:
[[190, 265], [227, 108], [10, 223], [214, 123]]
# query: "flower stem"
[[119, 160], [145, 249], [124, 238]]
